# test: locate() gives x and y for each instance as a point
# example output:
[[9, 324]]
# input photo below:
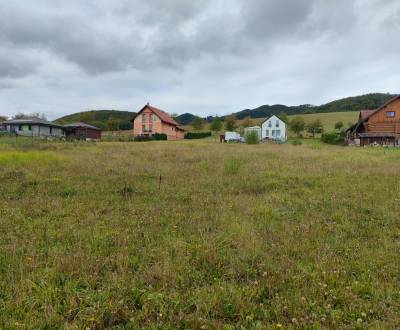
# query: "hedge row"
[[155, 137], [197, 135]]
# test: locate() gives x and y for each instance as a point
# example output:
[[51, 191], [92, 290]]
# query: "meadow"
[[198, 235]]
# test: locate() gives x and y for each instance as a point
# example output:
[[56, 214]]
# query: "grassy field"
[[231, 237]]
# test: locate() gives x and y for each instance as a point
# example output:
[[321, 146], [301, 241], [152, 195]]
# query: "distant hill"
[[185, 118], [104, 119], [357, 103]]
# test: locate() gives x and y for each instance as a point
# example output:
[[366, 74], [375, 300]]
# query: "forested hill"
[[104, 119], [368, 101]]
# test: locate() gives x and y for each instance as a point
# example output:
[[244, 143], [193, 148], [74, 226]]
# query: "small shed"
[[256, 129], [82, 131]]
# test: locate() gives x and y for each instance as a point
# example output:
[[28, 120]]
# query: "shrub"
[[296, 142], [197, 135], [333, 137], [160, 137], [140, 138], [252, 137]]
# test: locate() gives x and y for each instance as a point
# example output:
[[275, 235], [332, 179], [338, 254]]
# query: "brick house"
[[151, 120]]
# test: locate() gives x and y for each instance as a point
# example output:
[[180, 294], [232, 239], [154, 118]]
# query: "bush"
[[143, 138], [296, 142], [333, 137], [252, 137], [197, 135], [160, 137]]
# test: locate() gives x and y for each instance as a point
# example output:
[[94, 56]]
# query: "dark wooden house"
[[378, 127], [82, 131]]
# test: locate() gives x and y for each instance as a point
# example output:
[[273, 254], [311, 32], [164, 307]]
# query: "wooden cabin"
[[82, 131], [151, 120], [378, 127]]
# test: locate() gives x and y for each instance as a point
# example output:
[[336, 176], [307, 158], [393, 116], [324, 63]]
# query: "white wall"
[[274, 129], [36, 130]]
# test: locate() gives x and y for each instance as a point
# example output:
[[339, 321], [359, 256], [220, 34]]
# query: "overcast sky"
[[201, 56]]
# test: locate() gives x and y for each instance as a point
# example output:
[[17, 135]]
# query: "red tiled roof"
[[163, 115], [166, 118]]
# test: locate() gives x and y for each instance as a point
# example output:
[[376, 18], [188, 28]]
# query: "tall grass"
[[231, 237]]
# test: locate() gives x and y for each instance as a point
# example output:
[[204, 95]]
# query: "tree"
[[21, 115], [247, 122], [216, 124], [230, 123], [282, 116], [113, 124], [339, 125], [297, 125], [198, 123], [85, 117], [315, 127], [3, 119]]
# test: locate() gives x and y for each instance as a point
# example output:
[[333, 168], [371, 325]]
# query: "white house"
[[273, 129], [256, 129], [34, 127]]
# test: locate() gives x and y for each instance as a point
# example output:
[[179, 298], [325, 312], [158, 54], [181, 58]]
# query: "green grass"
[[232, 236]]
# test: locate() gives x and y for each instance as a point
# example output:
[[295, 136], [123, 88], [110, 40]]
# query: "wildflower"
[[278, 325], [359, 320], [363, 314]]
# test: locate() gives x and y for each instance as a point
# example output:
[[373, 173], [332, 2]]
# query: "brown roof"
[[366, 113], [165, 117]]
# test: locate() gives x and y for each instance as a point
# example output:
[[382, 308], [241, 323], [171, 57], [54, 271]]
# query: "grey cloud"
[[225, 51]]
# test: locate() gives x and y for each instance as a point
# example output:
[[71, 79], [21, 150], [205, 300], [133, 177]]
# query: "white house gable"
[[274, 129]]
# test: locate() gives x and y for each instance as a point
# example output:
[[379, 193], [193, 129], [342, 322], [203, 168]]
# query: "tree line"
[[297, 124]]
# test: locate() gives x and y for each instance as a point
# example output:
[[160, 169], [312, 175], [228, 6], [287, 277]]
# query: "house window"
[[151, 118], [144, 118], [143, 128], [278, 133], [390, 114], [277, 123], [267, 133], [270, 124], [25, 128], [273, 133]]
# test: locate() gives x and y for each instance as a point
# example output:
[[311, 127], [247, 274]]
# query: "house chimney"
[[148, 103]]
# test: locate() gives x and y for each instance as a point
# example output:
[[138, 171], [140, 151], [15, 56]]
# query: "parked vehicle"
[[232, 137]]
